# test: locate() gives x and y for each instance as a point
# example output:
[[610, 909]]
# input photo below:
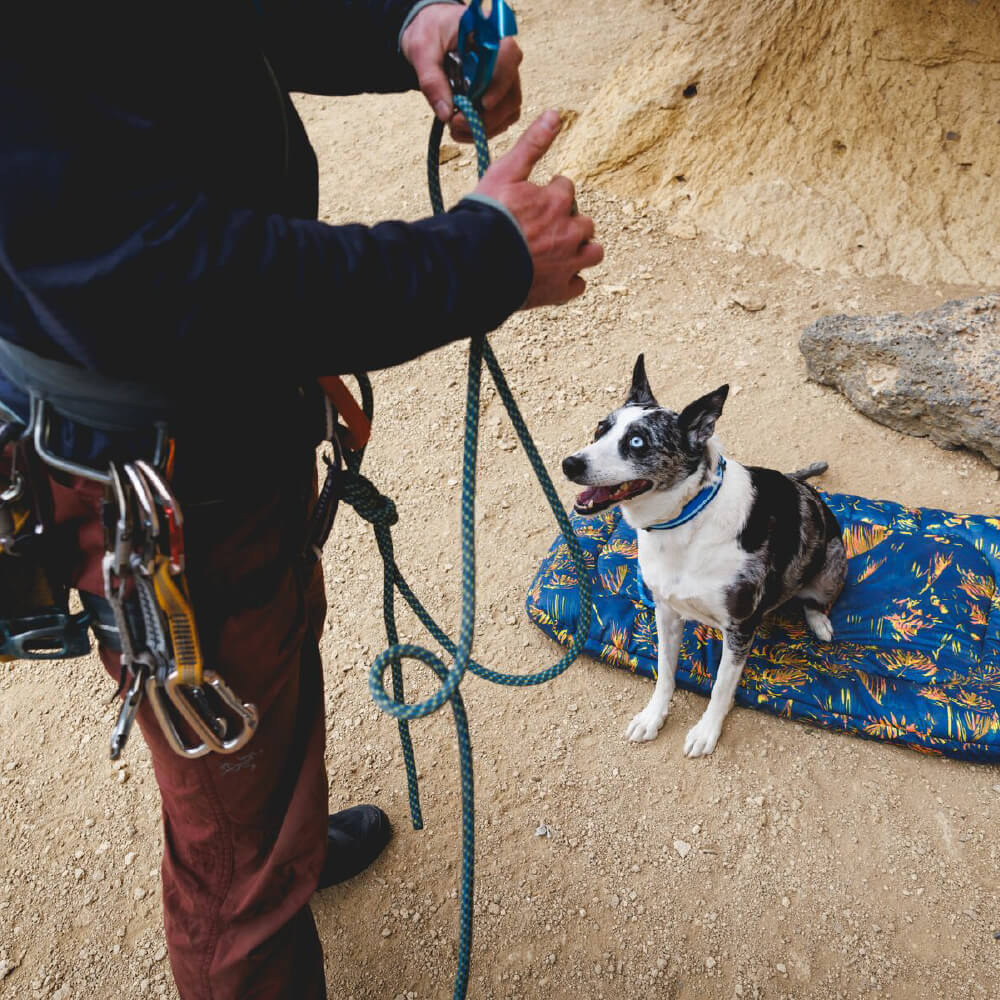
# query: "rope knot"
[[361, 494]]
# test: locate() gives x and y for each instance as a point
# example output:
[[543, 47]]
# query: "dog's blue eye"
[[637, 442]]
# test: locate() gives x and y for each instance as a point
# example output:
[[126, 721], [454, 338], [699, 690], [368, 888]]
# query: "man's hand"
[[427, 39], [559, 239]]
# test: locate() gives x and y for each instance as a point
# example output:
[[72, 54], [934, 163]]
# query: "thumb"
[[529, 149], [435, 87]]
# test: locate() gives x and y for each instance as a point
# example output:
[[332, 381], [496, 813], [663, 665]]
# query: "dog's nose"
[[573, 466]]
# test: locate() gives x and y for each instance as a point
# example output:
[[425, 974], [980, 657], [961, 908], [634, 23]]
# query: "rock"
[[781, 968], [824, 189], [542, 831], [61, 994], [682, 847], [448, 152], [709, 963], [935, 374], [749, 303], [682, 229]]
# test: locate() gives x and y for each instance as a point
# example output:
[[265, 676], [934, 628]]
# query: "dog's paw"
[[645, 725], [702, 738], [820, 624]]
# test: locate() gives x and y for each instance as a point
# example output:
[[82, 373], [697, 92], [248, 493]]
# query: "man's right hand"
[[559, 239]]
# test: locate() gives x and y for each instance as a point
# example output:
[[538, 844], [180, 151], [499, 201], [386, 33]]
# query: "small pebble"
[[709, 963], [160, 954], [386, 932], [543, 831], [682, 847], [494, 909], [129, 858], [785, 901], [781, 968], [139, 893]]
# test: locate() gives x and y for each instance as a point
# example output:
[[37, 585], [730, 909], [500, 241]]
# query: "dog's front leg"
[[669, 627], [703, 737]]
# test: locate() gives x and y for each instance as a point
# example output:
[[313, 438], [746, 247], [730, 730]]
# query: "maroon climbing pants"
[[244, 835]]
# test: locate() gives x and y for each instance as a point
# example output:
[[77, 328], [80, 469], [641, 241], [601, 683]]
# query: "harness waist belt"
[[90, 398]]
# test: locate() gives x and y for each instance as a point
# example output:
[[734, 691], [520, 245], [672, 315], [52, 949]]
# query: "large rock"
[[935, 374], [854, 135]]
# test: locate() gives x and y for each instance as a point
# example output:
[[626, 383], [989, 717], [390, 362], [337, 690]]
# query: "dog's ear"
[[697, 420], [640, 394]]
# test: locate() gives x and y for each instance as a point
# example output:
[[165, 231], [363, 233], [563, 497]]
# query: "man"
[[158, 201]]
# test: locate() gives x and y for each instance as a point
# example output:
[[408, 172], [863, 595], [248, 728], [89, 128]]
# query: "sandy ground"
[[819, 865]]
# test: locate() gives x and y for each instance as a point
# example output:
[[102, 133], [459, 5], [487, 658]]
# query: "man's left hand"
[[428, 38]]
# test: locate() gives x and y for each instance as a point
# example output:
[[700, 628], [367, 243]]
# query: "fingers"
[[565, 192], [495, 122], [529, 149], [435, 87]]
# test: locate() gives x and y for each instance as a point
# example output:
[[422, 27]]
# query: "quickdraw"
[[145, 548]]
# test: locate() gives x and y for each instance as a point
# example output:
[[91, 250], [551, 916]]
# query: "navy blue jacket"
[[158, 199]]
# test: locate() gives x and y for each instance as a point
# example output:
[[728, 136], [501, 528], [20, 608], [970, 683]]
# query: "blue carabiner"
[[470, 69]]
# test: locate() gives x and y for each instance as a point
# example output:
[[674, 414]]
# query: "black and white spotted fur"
[[764, 539]]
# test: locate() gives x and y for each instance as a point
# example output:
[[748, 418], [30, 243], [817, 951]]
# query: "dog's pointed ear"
[[697, 420], [640, 394]]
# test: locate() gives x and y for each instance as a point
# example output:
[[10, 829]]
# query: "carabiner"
[[182, 697]]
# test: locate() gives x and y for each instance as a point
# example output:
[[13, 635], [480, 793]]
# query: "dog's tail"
[[816, 469]]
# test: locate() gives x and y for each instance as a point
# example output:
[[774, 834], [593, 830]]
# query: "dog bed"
[[915, 658]]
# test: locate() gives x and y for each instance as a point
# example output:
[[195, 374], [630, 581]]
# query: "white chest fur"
[[690, 568]]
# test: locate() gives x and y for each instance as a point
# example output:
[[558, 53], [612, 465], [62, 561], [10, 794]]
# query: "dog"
[[719, 542]]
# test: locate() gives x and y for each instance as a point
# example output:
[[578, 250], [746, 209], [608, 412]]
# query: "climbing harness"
[[35, 620], [371, 505], [152, 621]]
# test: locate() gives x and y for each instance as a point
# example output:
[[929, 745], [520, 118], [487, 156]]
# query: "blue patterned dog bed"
[[915, 658]]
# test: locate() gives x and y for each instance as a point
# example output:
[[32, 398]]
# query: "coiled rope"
[[381, 512]]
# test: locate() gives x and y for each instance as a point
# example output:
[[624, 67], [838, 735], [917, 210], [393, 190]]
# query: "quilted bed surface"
[[915, 658]]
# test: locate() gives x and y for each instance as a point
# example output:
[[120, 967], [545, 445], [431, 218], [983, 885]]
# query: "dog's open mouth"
[[598, 498]]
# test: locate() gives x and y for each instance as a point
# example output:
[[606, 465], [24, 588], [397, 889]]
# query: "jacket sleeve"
[[202, 286], [337, 46]]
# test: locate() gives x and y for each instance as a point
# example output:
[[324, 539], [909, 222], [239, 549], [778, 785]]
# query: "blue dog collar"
[[695, 505]]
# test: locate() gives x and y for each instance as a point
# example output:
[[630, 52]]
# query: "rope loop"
[[371, 505]]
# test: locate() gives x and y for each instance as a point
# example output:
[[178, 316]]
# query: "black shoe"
[[355, 838]]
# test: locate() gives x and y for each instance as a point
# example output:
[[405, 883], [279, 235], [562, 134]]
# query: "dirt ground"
[[793, 862]]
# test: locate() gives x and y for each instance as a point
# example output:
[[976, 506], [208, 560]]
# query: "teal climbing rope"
[[381, 512]]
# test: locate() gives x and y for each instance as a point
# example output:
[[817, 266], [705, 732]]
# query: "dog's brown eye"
[[602, 429]]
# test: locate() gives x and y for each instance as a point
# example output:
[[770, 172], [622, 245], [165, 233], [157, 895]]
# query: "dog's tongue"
[[596, 498], [593, 496]]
